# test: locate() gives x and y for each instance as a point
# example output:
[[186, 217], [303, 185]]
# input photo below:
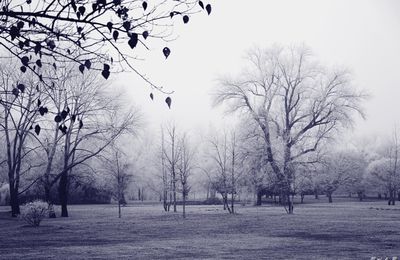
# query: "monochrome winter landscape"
[[187, 129]]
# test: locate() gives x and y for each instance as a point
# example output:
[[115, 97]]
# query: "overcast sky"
[[362, 35]]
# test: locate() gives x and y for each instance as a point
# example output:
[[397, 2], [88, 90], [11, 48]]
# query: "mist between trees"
[[79, 141]]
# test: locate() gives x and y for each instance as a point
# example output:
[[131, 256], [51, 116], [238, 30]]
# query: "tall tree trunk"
[[184, 205], [360, 195], [259, 199], [329, 194], [289, 204], [14, 201], [63, 193], [232, 203], [174, 191], [47, 197], [392, 199], [165, 195], [119, 208]]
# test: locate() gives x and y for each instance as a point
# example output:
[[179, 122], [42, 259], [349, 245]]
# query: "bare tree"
[[88, 119], [337, 169], [296, 104], [118, 168], [386, 169], [185, 169], [171, 157], [19, 117], [225, 156]]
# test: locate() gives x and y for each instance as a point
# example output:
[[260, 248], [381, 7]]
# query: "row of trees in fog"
[[291, 112], [80, 137], [49, 134]]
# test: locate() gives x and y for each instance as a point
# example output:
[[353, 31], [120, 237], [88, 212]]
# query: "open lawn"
[[342, 230]]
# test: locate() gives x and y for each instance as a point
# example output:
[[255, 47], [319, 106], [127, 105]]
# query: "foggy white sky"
[[362, 35]]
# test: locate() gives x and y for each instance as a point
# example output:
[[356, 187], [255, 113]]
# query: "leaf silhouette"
[[133, 40], [21, 87], [166, 52], [208, 9], [168, 101], [115, 35], [37, 129], [109, 26]]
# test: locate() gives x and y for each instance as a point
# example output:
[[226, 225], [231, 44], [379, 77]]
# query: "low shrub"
[[34, 212]]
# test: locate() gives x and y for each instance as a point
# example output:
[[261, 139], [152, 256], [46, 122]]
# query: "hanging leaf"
[[105, 74], [115, 35], [21, 87], [54, 66], [15, 92], [166, 52], [82, 9], [109, 26], [14, 32], [21, 44], [185, 19], [37, 129], [20, 24], [73, 5], [51, 44], [64, 114], [133, 40], [23, 69], [127, 25], [168, 101], [80, 124], [37, 48], [39, 102], [81, 68], [151, 96], [88, 64], [144, 5], [73, 118], [63, 129], [42, 111], [201, 4], [25, 60], [57, 118], [208, 9], [145, 34], [171, 14], [39, 63]]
